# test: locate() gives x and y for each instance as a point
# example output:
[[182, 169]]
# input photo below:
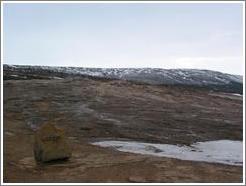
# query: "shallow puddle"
[[221, 151]]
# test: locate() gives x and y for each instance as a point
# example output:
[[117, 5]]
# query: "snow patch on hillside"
[[149, 75]]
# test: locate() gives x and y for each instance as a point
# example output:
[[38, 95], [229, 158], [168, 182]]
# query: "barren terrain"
[[96, 109]]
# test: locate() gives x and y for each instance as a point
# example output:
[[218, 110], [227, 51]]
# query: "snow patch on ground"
[[14, 75], [221, 151], [238, 95], [57, 77]]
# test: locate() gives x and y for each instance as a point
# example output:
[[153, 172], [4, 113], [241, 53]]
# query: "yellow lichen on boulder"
[[50, 144]]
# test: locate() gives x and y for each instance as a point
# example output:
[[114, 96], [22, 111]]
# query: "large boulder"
[[50, 144]]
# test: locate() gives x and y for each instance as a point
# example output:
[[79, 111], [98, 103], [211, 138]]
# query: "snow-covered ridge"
[[147, 75]]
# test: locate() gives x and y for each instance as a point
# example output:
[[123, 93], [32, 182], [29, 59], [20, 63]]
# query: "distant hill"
[[213, 80]]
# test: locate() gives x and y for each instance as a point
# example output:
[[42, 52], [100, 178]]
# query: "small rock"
[[137, 179], [153, 149], [50, 144], [9, 133]]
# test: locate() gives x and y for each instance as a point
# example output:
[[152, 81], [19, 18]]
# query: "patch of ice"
[[221, 151]]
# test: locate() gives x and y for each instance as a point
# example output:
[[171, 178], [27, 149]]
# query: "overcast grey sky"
[[204, 36]]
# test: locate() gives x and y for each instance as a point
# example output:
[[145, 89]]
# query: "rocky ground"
[[93, 109]]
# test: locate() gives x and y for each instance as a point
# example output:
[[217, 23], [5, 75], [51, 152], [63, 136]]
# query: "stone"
[[51, 144], [153, 149], [137, 179]]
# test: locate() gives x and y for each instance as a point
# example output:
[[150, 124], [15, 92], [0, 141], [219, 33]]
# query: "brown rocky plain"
[[91, 110]]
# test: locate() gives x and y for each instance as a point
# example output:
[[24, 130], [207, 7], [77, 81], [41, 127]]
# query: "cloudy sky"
[[203, 36]]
